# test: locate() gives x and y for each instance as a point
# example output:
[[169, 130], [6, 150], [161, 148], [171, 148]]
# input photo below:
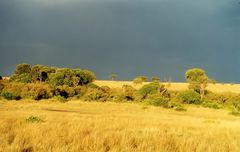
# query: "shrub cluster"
[[24, 73], [41, 82], [189, 97]]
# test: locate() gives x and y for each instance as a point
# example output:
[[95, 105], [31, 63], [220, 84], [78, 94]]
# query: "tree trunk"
[[202, 91]]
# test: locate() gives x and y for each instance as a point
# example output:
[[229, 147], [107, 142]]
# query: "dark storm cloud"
[[163, 37]]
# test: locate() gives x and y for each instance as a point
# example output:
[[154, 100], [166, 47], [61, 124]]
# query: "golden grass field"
[[78, 126], [176, 86]]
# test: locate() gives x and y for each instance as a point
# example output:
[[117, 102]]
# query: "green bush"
[[1, 87], [22, 73], [80, 90], [180, 109], [61, 98], [235, 113], [212, 104], [41, 73], [129, 93], [155, 79], [22, 78], [22, 68], [12, 91], [92, 85], [85, 76], [65, 91], [37, 91], [147, 89], [157, 100], [189, 97], [33, 119], [7, 95], [222, 98], [137, 81], [96, 95]]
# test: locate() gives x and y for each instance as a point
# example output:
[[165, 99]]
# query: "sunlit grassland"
[[92, 126], [175, 86]]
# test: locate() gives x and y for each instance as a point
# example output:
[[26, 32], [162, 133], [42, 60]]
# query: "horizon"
[[129, 38]]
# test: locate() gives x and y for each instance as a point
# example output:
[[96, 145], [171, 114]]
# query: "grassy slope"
[[83, 126], [234, 88]]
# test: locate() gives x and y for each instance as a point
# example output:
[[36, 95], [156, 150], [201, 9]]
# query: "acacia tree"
[[22, 73], [197, 80], [155, 79], [113, 76]]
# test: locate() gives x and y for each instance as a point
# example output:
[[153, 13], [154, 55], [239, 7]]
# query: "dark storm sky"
[[127, 37]]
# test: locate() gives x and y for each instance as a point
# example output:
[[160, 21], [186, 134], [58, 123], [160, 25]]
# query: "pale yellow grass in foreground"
[[175, 86], [81, 126]]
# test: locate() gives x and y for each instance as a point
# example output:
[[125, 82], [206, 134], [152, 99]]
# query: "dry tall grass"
[[176, 86], [124, 127]]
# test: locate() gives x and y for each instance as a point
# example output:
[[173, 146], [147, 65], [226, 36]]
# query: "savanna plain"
[[77, 125]]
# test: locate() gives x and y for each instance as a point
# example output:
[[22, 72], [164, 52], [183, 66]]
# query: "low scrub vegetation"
[[63, 84]]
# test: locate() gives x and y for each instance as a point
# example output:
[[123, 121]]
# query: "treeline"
[[41, 82]]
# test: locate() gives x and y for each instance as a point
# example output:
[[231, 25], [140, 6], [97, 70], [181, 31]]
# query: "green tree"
[[155, 79], [143, 78], [22, 73], [113, 76], [22, 68], [140, 79], [137, 81], [197, 80]]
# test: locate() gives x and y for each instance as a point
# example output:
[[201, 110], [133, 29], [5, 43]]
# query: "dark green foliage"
[[71, 77], [57, 79], [65, 91], [147, 89], [33, 119], [189, 97], [153, 88], [7, 95], [85, 76], [41, 73], [23, 78], [22, 68], [22, 73]]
